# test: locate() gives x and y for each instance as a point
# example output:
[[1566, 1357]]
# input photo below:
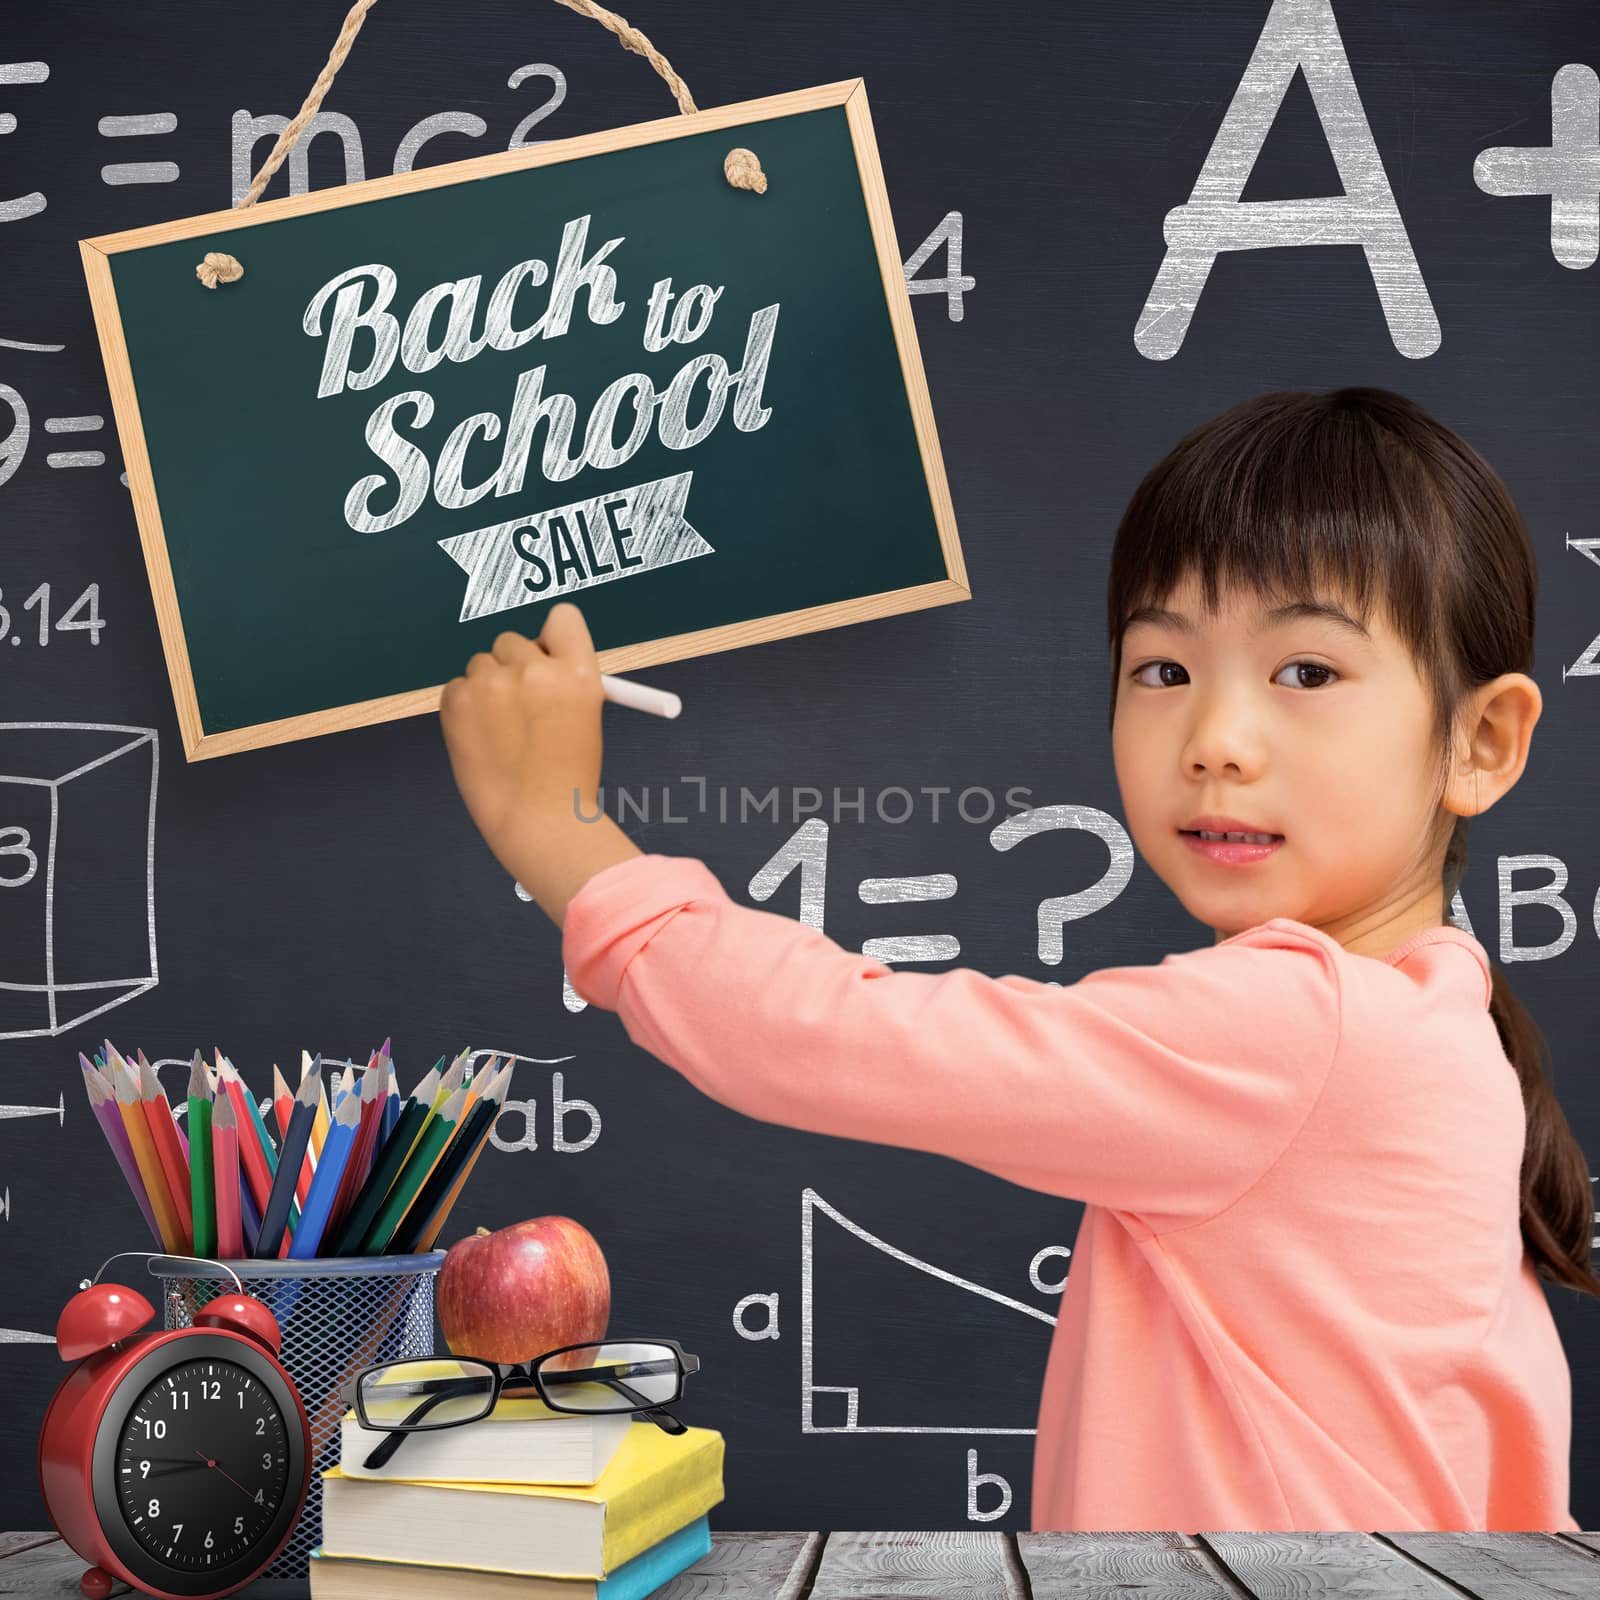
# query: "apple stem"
[[483, 1233]]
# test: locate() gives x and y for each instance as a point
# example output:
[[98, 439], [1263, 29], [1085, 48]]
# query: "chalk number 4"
[[955, 283]]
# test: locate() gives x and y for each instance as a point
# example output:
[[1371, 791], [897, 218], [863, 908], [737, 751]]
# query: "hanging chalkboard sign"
[[436, 403]]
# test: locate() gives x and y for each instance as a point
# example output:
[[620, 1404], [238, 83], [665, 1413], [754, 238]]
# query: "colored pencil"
[[359, 1161], [442, 1215], [319, 1129], [448, 1084], [103, 1100], [419, 1164], [225, 1165], [269, 1147], [93, 1071], [282, 1102], [380, 1179], [137, 1124], [378, 1065], [478, 1084], [202, 1189], [177, 1127], [425, 1094], [343, 1084], [391, 1108], [164, 1135], [249, 1219], [452, 1080], [421, 1224], [297, 1131], [282, 1109], [252, 1154], [319, 1113], [269, 1150], [324, 1187]]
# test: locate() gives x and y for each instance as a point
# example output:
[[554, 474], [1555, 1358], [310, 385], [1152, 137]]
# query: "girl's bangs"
[[1312, 504]]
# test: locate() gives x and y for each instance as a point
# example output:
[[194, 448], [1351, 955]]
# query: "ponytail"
[[1558, 1211]]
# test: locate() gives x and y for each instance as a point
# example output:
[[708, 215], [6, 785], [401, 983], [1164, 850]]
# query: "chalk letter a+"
[[1303, 34]]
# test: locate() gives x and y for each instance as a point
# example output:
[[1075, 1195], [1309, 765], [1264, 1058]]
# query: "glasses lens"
[[611, 1375], [436, 1393]]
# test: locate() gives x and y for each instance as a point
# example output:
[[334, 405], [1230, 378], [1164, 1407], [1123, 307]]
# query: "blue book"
[[359, 1578]]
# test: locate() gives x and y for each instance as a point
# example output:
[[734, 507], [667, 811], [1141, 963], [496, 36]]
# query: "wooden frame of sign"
[[849, 92]]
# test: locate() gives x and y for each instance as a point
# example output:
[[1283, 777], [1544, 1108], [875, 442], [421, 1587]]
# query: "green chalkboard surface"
[[435, 404]]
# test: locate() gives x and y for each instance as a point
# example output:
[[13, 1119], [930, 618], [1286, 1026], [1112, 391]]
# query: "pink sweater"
[[1299, 1297]]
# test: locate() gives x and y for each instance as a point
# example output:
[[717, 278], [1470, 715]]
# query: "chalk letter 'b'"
[[1303, 34]]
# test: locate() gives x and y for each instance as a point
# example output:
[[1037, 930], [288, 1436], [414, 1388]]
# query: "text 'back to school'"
[[357, 300]]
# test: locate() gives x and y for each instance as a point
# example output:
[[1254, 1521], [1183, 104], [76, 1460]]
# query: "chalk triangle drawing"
[[979, 1329]]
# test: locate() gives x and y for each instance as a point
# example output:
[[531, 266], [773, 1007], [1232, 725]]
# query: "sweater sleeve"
[[1166, 1089]]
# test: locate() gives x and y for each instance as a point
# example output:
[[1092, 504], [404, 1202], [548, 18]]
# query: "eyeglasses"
[[401, 1397]]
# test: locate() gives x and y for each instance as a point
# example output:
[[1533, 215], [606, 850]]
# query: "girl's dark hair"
[[1358, 492]]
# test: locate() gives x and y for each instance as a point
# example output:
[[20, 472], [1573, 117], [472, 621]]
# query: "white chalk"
[[640, 696]]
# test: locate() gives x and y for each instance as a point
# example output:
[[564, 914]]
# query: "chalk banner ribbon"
[[576, 546]]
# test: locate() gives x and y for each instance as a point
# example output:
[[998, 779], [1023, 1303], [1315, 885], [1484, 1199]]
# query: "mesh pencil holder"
[[337, 1315]]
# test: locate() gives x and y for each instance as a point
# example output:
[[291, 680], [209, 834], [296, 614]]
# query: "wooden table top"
[[1051, 1566]]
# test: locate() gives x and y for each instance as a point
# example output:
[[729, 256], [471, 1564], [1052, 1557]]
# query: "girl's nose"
[[1223, 736]]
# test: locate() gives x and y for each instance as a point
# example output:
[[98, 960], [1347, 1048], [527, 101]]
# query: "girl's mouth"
[[1231, 852]]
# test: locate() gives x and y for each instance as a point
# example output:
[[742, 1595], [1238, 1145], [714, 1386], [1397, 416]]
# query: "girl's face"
[[1297, 725]]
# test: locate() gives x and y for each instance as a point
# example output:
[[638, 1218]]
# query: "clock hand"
[[210, 1462]]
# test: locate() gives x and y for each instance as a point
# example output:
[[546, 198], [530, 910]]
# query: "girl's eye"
[[1315, 666], [1138, 674], [1163, 682]]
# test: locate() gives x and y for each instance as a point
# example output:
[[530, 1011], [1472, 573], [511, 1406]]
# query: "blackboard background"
[[331, 892]]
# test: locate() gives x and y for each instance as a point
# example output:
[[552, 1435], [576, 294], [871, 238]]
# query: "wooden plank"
[[1506, 1566], [973, 1565], [48, 1572], [748, 1566], [739, 1566], [1173, 1566], [1273, 1565], [1589, 1541], [951, 1566], [11, 1543]]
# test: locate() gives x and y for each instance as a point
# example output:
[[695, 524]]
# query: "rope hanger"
[[740, 166]]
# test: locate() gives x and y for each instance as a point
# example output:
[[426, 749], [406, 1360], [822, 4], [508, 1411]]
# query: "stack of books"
[[527, 1504]]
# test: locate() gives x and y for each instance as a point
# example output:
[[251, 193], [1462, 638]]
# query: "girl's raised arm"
[[1166, 1090]]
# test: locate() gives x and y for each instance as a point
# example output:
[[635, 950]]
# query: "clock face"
[[202, 1464]]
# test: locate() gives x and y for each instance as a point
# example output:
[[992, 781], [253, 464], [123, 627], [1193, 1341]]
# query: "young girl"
[[1320, 1158]]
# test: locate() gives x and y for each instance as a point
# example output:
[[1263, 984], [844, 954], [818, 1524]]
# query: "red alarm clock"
[[176, 1460]]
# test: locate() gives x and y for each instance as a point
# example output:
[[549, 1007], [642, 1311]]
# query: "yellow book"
[[655, 1484]]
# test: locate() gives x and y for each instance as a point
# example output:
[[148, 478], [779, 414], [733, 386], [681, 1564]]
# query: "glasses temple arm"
[[386, 1448]]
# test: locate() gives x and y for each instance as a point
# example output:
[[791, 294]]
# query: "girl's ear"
[[1497, 721]]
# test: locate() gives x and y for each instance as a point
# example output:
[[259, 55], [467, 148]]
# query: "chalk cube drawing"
[[77, 872]]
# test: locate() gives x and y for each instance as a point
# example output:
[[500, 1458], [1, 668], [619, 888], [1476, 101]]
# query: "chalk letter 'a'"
[[1303, 34]]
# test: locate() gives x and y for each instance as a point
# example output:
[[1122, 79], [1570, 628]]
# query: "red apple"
[[519, 1291]]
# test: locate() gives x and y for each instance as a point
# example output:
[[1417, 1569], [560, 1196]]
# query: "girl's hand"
[[522, 728]]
